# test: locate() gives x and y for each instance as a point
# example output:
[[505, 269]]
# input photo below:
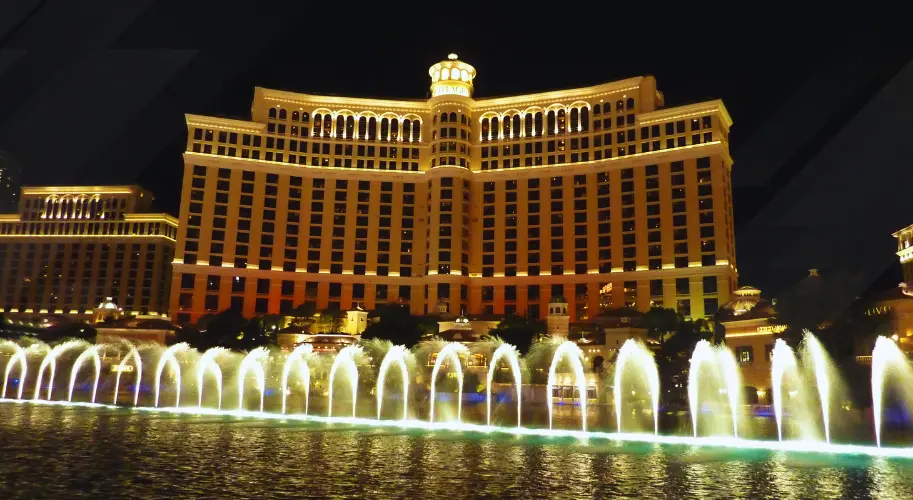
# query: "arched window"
[[340, 125], [416, 130], [272, 112], [407, 130], [575, 119], [550, 124], [394, 130], [327, 125], [305, 116], [485, 128], [619, 105], [372, 129], [630, 105], [434, 120], [350, 127], [562, 121], [597, 109], [362, 127], [443, 117], [538, 124], [384, 128], [453, 117], [584, 119], [283, 114], [528, 125], [495, 128], [318, 123], [516, 125], [507, 127], [296, 115]]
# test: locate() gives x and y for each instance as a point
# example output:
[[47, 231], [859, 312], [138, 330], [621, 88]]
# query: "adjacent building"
[[489, 206], [67, 249], [751, 330]]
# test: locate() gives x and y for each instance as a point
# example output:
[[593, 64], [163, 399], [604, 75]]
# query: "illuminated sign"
[[772, 329], [450, 89], [878, 311]]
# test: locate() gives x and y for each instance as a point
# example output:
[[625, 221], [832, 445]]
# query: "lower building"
[[69, 248], [750, 334]]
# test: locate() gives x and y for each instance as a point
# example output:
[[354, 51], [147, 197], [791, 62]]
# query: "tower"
[[356, 321], [558, 321]]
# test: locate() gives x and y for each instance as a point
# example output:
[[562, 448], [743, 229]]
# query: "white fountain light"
[[298, 359], [395, 355], [508, 352], [450, 352]]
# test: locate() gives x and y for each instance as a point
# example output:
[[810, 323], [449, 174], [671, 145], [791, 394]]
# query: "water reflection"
[[53, 451]]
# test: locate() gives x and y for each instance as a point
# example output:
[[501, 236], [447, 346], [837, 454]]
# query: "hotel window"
[[745, 355]]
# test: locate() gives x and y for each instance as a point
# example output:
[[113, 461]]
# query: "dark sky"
[[94, 92]]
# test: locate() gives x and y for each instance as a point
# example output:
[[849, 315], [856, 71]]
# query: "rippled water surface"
[[60, 452]]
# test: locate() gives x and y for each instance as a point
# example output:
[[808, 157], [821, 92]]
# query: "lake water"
[[73, 452]]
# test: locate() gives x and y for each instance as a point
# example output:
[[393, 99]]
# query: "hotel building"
[[487, 206], [70, 248]]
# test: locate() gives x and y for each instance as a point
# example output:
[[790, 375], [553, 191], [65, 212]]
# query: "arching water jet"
[[169, 358], [452, 353], [298, 359], [820, 364], [208, 363], [18, 357], [886, 357], [50, 361], [509, 353], [395, 355], [574, 355], [138, 363], [633, 353], [782, 359], [90, 353], [346, 359], [253, 362]]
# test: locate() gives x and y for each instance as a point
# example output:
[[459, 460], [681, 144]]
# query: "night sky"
[[95, 92]]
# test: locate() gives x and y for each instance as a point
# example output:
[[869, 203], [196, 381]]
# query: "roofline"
[[897, 233], [367, 102], [122, 189], [688, 110], [601, 89], [224, 123]]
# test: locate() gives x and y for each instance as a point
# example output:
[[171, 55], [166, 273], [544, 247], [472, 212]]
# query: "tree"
[[394, 323], [661, 323], [814, 303], [520, 331], [302, 315], [330, 320]]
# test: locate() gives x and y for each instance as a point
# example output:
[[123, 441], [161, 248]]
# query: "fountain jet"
[[18, 357], [50, 361], [298, 358], [574, 355], [395, 355], [452, 353], [90, 353], [138, 362], [346, 357], [725, 369], [886, 357], [508, 352], [819, 359], [169, 358], [636, 354], [208, 364], [253, 362]]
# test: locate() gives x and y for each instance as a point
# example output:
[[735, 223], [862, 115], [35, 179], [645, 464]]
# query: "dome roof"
[[557, 299], [108, 305], [746, 303]]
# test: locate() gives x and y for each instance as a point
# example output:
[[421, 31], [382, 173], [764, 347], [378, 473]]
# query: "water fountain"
[[18, 358], [90, 353], [395, 355], [634, 355], [451, 352], [169, 359], [50, 361], [345, 359], [725, 378], [298, 359], [208, 363], [887, 359], [253, 362], [714, 364], [568, 350], [509, 353], [134, 356]]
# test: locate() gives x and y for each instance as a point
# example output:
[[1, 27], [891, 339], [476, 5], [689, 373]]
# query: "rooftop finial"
[[452, 56]]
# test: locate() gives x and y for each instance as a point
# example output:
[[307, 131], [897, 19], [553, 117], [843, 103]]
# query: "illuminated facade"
[[751, 331], [70, 248], [489, 206]]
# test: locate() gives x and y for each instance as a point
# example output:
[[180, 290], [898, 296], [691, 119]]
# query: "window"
[[744, 354]]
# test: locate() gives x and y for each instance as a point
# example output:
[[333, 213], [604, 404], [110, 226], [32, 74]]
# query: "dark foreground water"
[[60, 452]]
